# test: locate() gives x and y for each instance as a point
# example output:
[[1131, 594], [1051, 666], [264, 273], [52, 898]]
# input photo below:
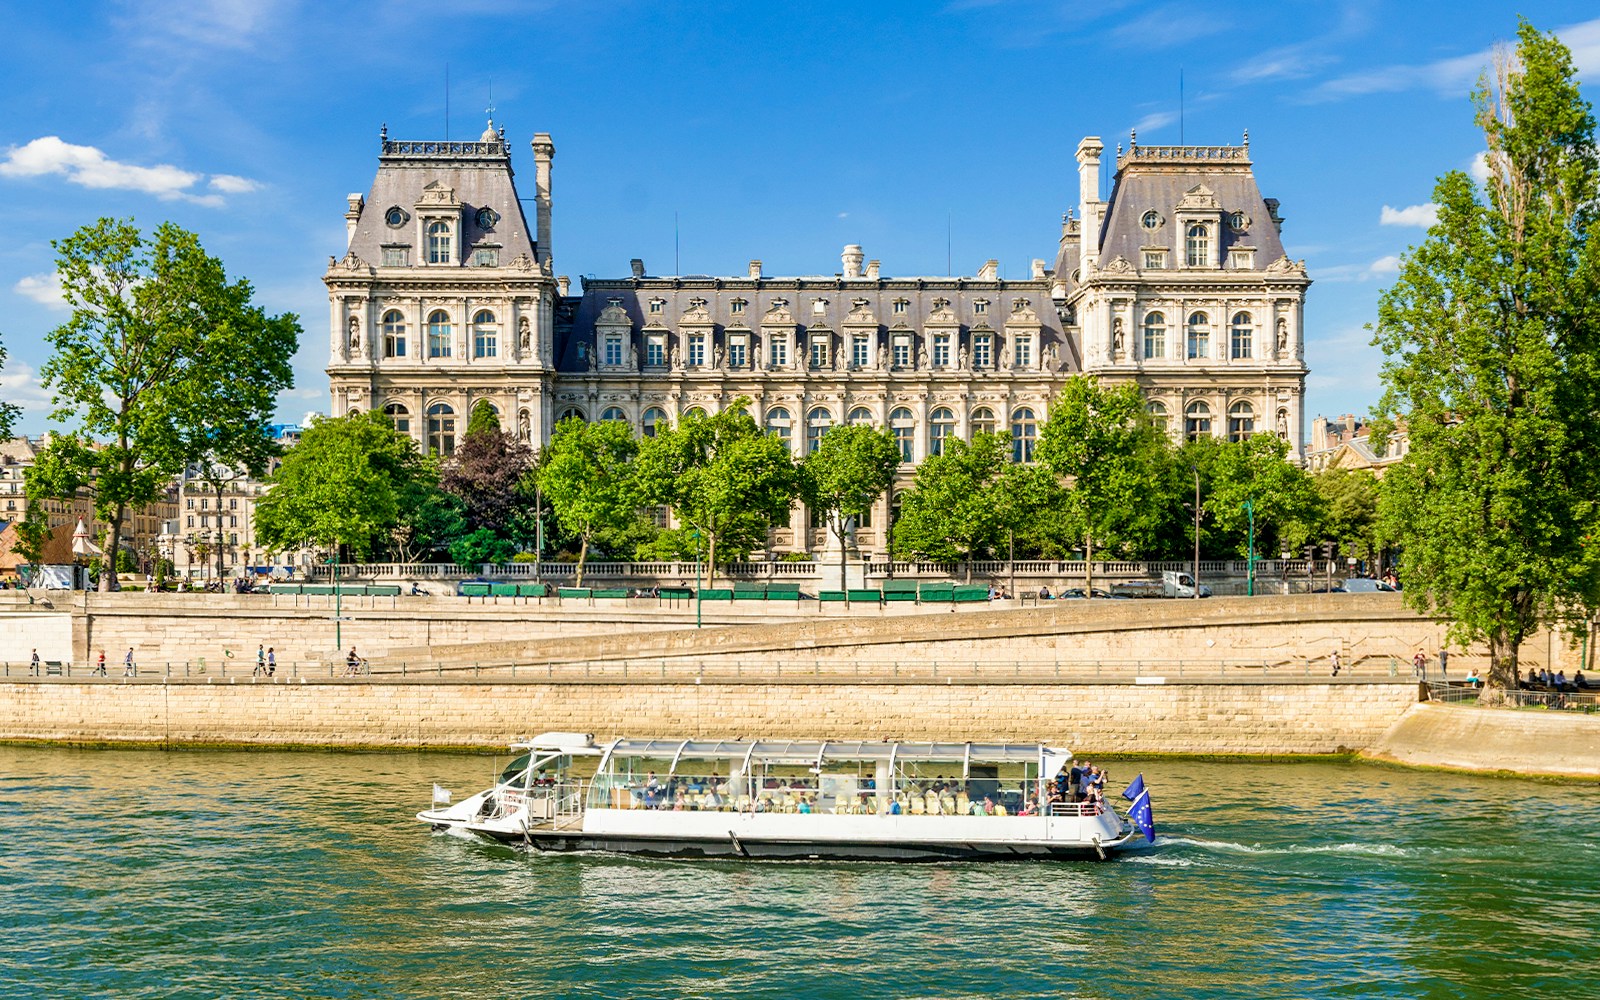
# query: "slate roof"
[[1139, 187], [801, 293], [479, 180]]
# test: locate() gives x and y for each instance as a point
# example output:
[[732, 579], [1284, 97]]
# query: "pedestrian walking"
[[100, 664], [34, 663], [1419, 664], [272, 662], [1444, 657], [1336, 661], [129, 669], [261, 661]]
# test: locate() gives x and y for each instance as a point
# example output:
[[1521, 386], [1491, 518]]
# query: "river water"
[[256, 874]]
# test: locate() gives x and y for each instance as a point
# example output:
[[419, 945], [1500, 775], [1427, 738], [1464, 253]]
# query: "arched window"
[[399, 416], [860, 417], [652, 417], [1199, 335], [438, 242], [941, 426], [780, 424], [1024, 434], [439, 334], [1155, 335], [485, 335], [1197, 245], [394, 334], [614, 413], [1158, 416], [1241, 421], [983, 421], [697, 412], [818, 422], [1243, 335], [571, 413], [904, 426], [1197, 421], [441, 429]]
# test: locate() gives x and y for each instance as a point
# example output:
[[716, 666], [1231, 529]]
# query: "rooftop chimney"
[[1090, 206], [872, 270], [852, 258], [755, 269], [638, 268], [352, 216], [544, 151], [990, 271]]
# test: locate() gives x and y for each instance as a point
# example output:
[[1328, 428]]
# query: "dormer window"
[[819, 307], [486, 218], [1238, 221], [656, 305], [485, 258], [1197, 245], [1151, 220], [980, 307], [736, 307], [900, 306], [439, 243], [395, 217], [1155, 260]]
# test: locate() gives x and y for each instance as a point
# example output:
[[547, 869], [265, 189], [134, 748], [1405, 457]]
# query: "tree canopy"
[[852, 467], [1492, 338], [157, 333], [950, 514], [587, 473], [726, 479]]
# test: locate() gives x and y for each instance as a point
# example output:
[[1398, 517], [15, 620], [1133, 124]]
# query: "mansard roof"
[[1163, 177], [849, 303], [478, 174]]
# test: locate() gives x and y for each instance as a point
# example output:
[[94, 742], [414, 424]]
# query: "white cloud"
[[1414, 215], [232, 184], [90, 167], [19, 383], [1479, 167], [1155, 120], [44, 289], [1383, 267]]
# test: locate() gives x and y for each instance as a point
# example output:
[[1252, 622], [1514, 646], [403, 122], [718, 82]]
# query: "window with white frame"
[[485, 258], [1243, 334], [614, 413], [901, 306], [1024, 434], [1197, 420], [399, 416], [820, 342], [1158, 416], [982, 350], [780, 424], [941, 350], [941, 427], [394, 334], [904, 427], [697, 350], [1155, 260], [980, 307], [900, 351], [1199, 338], [1022, 350], [777, 350], [485, 335], [396, 256], [1197, 245], [653, 418], [1155, 335], [611, 354], [441, 429], [1241, 421], [736, 307], [818, 422], [439, 243], [439, 334], [860, 417], [656, 306], [738, 351], [655, 350], [860, 350]]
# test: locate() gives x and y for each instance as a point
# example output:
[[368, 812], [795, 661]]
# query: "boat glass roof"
[[809, 751]]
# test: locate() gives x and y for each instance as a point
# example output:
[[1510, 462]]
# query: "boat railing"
[[795, 794], [1083, 809]]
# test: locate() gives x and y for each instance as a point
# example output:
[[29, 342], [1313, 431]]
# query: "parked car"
[[1366, 585]]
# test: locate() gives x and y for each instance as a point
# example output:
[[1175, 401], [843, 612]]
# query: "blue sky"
[[770, 131]]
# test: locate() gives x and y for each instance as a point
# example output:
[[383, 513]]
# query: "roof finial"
[[1247, 138], [1133, 138], [1119, 150], [383, 133]]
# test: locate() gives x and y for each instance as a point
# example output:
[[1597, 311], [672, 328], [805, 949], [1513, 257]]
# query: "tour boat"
[[789, 799]]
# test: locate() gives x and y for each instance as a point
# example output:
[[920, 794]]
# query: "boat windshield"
[[546, 770]]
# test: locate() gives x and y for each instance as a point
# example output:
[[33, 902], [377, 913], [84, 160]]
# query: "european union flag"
[[1139, 812]]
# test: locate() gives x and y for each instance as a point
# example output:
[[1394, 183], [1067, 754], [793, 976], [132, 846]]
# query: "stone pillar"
[[544, 151]]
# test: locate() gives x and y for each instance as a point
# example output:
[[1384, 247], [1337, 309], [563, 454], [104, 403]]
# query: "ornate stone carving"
[[922, 359], [1199, 199], [522, 262], [942, 313], [351, 262], [524, 335], [614, 314], [883, 357], [355, 336], [675, 360], [716, 357], [1118, 265], [1118, 351], [961, 359], [1052, 358], [1288, 268], [778, 312], [696, 313]]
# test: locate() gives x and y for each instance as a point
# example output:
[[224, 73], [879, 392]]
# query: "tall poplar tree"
[[1492, 334]]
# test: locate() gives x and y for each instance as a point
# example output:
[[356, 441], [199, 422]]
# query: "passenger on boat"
[[1095, 800], [1579, 681]]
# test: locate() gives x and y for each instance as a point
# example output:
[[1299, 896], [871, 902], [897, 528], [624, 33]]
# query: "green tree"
[[1349, 500], [8, 411], [587, 472], [1288, 509], [845, 476], [949, 514], [725, 478], [1492, 337], [150, 329], [341, 485], [1100, 443]]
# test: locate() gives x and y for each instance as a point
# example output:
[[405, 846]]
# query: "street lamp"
[[1195, 577], [694, 533], [1249, 507]]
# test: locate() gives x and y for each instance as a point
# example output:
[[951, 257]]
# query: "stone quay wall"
[[1242, 717]]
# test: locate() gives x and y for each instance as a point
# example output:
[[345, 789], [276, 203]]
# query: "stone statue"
[[1283, 425], [961, 359], [675, 359], [1283, 336], [355, 335], [1116, 338], [527, 426], [594, 360], [883, 357], [1052, 358], [525, 334], [716, 357], [922, 358]]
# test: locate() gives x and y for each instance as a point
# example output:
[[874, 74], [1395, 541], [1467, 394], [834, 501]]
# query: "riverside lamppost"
[[1249, 507], [694, 533], [1196, 576]]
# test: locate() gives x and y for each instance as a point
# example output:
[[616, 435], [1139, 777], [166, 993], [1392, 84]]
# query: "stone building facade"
[[1176, 280]]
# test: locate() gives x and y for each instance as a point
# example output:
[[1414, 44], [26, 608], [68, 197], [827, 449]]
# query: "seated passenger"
[[1044, 593], [1579, 681], [988, 806]]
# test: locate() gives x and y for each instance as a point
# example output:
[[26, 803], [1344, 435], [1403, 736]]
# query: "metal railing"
[[1579, 699]]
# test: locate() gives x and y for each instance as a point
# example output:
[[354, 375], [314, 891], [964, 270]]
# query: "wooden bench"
[[1028, 597]]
